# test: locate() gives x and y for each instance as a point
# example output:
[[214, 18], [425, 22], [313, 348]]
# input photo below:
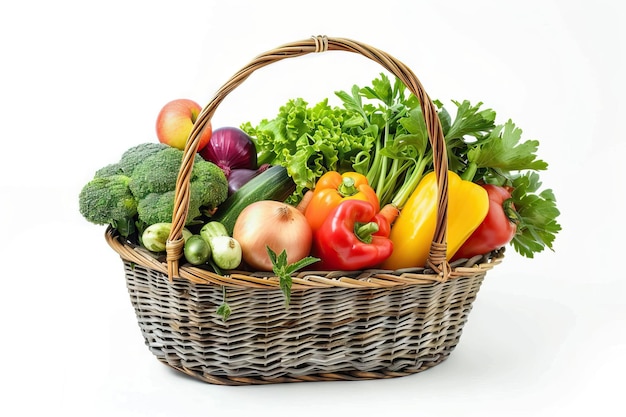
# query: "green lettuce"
[[310, 140]]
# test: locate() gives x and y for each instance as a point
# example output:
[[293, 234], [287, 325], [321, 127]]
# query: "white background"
[[80, 82]]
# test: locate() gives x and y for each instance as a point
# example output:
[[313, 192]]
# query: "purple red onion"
[[230, 148]]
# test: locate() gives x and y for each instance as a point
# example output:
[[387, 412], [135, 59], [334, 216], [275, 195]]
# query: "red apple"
[[175, 121]]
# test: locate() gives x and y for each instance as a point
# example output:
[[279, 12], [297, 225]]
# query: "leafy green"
[[469, 126], [224, 310], [283, 270], [309, 141], [381, 133], [502, 150], [469, 121], [537, 227], [401, 149]]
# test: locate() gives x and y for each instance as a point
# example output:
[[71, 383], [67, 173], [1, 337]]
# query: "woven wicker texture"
[[341, 325]]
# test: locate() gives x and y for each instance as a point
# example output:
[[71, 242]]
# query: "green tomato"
[[197, 251]]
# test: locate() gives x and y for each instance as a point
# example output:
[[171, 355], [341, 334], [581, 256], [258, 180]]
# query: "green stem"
[[347, 187], [509, 210], [403, 194], [470, 171], [382, 177], [390, 182], [384, 164], [364, 231], [372, 173]]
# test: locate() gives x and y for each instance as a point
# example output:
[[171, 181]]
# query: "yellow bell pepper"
[[413, 231]]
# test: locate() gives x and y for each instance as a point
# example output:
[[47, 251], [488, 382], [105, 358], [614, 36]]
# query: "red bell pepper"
[[497, 229], [353, 236]]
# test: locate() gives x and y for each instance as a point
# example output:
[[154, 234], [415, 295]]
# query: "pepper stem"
[[364, 231], [510, 212], [347, 187]]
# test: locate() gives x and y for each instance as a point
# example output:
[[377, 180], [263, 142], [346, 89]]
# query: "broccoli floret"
[[157, 173], [107, 171], [156, 208], [159, 208], [208, 184], [154, 180], [108, 200], [137, 154]]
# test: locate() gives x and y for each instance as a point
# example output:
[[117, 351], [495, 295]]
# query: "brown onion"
[[275, 224]]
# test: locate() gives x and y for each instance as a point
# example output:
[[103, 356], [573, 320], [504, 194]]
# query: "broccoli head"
[[154, 180], [108, 200], [142, 184]]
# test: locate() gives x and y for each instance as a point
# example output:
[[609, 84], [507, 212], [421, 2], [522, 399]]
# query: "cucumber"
[[213, 229], [272, 184]]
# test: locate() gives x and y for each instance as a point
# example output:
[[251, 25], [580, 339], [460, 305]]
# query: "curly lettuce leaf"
[[311, 140]]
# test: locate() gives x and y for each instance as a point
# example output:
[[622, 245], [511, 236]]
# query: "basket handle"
[[437, 256]]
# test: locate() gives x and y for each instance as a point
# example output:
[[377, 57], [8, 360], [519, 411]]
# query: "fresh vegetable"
[[213, 233], [240, 176], [400, 153], [230, 148], [414, 229], [272, 224], [272, 184], [379, 138], [153, 183], [213, 229], [498, 227], [380, 132], [197, 250], [537, 212], [352, 237], [154, 237], [283, 270], [309, 141], [304, 201], [226, 252], [500, 154], [135, 155], [108, 200], [331, 189], [140, 188], [130, 159], [390, 213]]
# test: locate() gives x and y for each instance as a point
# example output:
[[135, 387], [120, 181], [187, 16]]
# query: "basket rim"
[[304, 280]]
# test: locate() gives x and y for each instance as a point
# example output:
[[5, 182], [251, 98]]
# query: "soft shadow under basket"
[[340, 325]]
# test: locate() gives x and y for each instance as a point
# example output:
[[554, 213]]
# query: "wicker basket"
[[340, 325]]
